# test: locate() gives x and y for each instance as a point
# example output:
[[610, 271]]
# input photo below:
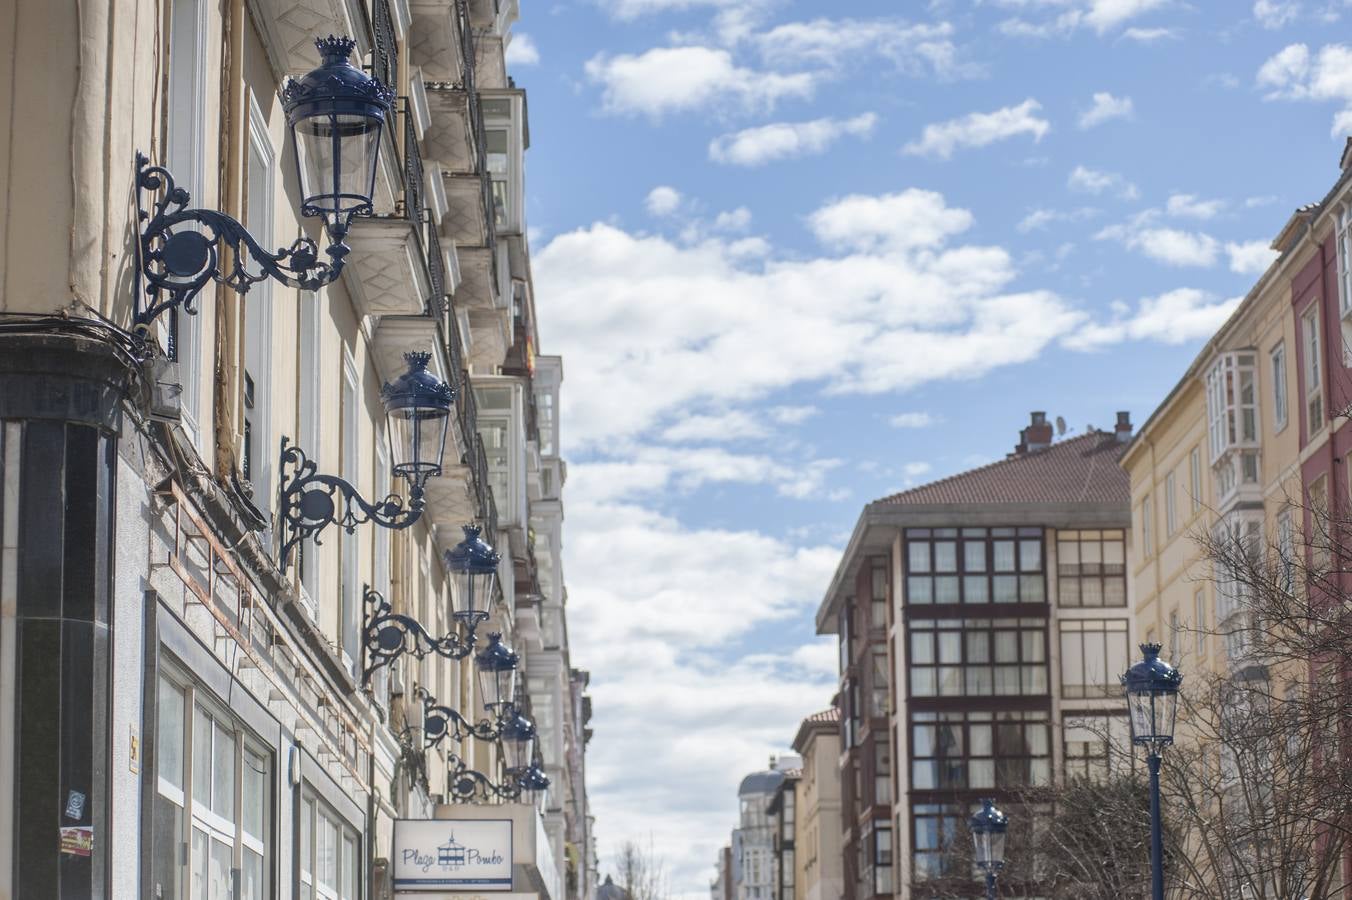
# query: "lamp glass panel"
[[424, 441], [474, 590], [519, 753], [498, 687], [997, 848], [336, 155]]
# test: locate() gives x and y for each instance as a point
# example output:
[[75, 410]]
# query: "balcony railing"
[[414, 185], [476, 123], [436, 270], [385, 50], [455, 349]]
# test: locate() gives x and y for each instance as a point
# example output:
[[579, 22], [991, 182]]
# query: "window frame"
[[1280, 393], [1107, 626], [924, 579], [1311, 371]]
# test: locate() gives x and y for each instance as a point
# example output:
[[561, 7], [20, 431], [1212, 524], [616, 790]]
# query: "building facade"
[[819, 872], [751, 854], [783, 812], [1002, 594], [206, 728]]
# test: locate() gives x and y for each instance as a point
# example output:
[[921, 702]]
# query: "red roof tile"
[[1082, 469]]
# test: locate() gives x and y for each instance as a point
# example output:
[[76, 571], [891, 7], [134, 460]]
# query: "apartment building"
[[783, 813], [747, 871], [819, 863], [1250, 445], [996, 609], [184, 693]]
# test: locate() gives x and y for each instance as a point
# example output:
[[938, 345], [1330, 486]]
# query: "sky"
[[800, 255]]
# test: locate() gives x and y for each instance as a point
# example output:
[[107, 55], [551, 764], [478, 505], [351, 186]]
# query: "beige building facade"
[[207, 728], [819, 866]]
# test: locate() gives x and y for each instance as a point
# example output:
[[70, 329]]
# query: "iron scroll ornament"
[[441, 722], [176, 260], [465, 785], [389, 635], [310, 501]]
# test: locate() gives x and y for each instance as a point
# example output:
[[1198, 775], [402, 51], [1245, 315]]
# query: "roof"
[[760, 782], [826, 720], [1082, 469]]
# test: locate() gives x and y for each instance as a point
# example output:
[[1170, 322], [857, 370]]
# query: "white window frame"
[[1195, 477], [1280, 399], [350, 600], [258, 312], [311, 811], [1170, 505], [1344, 241], [185, 138], [309, 428], [1314, 381], [1147, 528]]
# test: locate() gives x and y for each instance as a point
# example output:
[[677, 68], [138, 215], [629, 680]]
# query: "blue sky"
[[795, 261]]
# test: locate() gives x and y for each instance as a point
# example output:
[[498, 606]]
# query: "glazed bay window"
[[974, 565], [977, 657], [1091, 568], [1232, 422], [878, 583], [1093, 653], [878, 688], [1093, 745], [979, 750], [504, 152], [936, 830], [329, 859], [1345, 261], [213, 804], [1312, 370]]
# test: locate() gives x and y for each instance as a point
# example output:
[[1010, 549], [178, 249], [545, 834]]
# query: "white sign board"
[[452, 855]]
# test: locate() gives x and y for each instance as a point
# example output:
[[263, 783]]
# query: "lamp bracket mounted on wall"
[[389, 635], [441, 722]]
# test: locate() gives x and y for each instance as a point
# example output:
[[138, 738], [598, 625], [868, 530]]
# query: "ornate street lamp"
[[474, 565], [310, 500], [1152, 687], [497, 666], [336, 114], [389, 635], [988, 828]]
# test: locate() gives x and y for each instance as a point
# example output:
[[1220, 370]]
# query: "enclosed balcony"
[[1233, 427]]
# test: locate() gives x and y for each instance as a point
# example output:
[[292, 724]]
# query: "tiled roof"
[[1082, 469], [826, 715]]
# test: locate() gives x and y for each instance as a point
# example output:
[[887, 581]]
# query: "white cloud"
[[793, 415], [522, 51], [1171, 246], [648, 470], [633, 9], [1150, 35], [911, 219], [912, 420], [1040, 218], [1093, 181], [913, 49], [980, 129], [733, 220], [1294, 73], [1274, 14], [677, 79], [663, 200], [916, 469], [1100, 16], [787, 140], [1106, 107], [734, 425], [1174, 317], [1191, 207], [1250, 257]]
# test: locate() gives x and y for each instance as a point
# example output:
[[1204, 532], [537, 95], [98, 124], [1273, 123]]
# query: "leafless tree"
[[642, 872]]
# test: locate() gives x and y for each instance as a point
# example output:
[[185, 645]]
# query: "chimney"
[[1037, 436], [1123, 426]]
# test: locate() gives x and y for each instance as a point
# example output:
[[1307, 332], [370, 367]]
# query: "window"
[[882, 859], [1170, 508], [882, 771], [878, 610], [1345, 260], [329, 861], [496, 145], [350, 593], [1235, 585], [1147, 532], [1195, 477], [258, 443], [977, 657], [1314, 395], [936, 830], [1286, 551], [1199, 620], [183, 151], [1318, 537], [1174, 630], [844, 630], [878, 684], [1091, 568], [504, 150], [213, 804], [1093, 743], [974, 565], [1232, 403], [1278, 387], [308, 430], [979, 750], [1093, 653]]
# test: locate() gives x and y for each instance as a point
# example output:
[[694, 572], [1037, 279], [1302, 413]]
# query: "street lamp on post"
[[336, 114], [988, 828], [1152, 687]]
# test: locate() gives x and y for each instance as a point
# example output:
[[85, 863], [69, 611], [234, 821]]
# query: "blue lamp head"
[[533, 779], [988, 827], [474, 565], [518, 735], [497, 665], [1152, 687], [336, 114], [423, 402]]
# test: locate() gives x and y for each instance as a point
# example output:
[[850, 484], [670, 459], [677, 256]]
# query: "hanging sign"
[[452, 855]]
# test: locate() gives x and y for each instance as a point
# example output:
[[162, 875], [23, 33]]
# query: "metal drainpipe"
[[229, 308]]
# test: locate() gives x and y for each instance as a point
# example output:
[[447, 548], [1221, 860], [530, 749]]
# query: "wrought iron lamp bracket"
[[310, 501], [389, 635], [441, 722], [465, 785], [176, 260]]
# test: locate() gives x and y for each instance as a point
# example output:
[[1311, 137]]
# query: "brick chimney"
[[1123, 428], [1037, 436]]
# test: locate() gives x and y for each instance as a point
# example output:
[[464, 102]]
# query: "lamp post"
[[1152, 687], [336, 114], [988, 828], [310, 500]]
